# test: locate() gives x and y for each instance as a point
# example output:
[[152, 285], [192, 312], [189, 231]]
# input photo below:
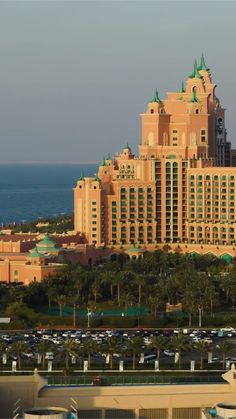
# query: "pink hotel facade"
[[181, 187]]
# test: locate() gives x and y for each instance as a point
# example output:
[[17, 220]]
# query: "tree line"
[[202, 284]]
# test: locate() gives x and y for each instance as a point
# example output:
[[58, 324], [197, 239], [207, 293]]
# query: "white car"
[[167, 352], [227, 329]]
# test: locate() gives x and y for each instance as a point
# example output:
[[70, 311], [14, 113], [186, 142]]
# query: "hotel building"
[[181, 188]]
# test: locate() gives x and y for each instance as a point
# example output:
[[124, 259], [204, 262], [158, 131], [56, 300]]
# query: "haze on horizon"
[[75, 76]]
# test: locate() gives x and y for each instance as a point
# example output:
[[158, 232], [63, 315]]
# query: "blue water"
[[28, 192]]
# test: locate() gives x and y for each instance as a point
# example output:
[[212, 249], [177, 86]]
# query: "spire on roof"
[[108, 156], [203, 64], [81, 176], [156, 97], [195, 73], [104, 161], [96, 178], [183, 87], [194, 98]]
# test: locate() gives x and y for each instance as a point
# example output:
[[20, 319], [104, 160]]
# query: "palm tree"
[[225, 349], [3, 348], [140, 281], [111, 348], [189, 302], [43, 347], [180, 343], [127, 300], [67, 371], [90, 347], [75, 300], [108, 278], [95, 289], [19, 348], [202, 347], [134, 346], [70, 347], [158, 343], [51, 293], [119, 280], [61, 301], [155, 303]]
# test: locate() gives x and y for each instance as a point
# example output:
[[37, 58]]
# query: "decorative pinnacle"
[[81, 176], [156, 97], [194, 98], [108, 156], [104, 161], [96, 178], [195, 73], [183, 87], [203, 64]]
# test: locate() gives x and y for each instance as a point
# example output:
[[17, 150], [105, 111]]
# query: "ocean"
[[31, 191]]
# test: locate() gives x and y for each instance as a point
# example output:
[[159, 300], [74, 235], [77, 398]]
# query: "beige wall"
[[33, 393]]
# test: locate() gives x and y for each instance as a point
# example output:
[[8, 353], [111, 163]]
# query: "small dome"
[[47, 245], [34, 253]]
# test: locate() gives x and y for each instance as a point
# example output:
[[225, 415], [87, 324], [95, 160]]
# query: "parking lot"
[[145, 357]]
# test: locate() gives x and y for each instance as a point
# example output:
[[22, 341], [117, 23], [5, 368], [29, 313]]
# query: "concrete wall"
[[33, 392]]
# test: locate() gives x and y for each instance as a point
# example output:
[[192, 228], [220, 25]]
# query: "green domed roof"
[[34, 253], [47, 245]]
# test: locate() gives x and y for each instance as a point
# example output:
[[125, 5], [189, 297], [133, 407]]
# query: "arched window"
[[197, 111]]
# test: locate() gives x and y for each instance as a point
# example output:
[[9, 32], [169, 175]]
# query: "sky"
[[75, 76]]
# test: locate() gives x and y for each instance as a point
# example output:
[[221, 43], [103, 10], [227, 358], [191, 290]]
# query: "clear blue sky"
[[75, 76]]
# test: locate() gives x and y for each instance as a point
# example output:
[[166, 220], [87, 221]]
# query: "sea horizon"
[[31, 191]]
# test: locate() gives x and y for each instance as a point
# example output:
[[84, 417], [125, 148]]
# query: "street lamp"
[[89, 313]]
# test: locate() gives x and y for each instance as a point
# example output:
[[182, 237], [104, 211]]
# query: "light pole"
[[199, 316], [88, 314]]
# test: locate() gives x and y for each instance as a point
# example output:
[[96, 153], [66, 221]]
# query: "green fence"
[[116, 380], [119, 312]]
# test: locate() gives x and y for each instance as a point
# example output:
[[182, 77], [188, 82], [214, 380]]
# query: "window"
[[203, 135], [175, 136]]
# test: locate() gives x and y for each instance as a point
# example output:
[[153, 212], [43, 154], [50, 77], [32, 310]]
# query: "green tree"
[[61, 301], [3, 349], [158, 343], [111, 348], [140, 281], [134, 347], [70, 348], [108, 278], [67, 372], [180, 343], [127, 300], [42, 348], [95, 289], [75, 300], [202, 347], [90, 347], [155, 303], [225, 348], [189, 303], [19, 348], [51, 294]]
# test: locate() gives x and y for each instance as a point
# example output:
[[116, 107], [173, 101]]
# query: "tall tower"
[[147, 199]]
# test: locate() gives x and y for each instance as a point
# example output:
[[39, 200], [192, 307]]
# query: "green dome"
[[47, 245], [34, 253]]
